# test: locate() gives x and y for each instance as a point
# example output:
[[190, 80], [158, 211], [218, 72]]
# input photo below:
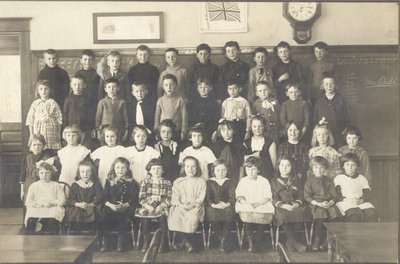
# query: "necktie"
[[139, 114]]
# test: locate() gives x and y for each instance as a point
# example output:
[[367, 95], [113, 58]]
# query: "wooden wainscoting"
[[385, 173], [10, 163]]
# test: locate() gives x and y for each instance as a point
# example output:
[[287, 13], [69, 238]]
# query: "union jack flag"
[[223, 11]]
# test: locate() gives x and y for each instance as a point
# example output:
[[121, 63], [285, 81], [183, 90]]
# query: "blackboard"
[[368, 77]]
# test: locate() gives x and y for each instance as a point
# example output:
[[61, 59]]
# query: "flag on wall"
[[223, 11]]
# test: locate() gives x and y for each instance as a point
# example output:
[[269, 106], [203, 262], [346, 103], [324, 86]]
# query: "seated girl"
[[187, 210], [85, 199], [44, 202], [220, 200], [120, 198], [287, 193], [320, 193], [155, 198], [254, 201], [354, 192]]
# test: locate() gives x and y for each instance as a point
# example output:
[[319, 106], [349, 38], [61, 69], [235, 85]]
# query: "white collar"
[[237, 99], [219, 181], [84, 185]]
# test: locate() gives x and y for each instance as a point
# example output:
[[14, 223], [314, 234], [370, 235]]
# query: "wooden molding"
[[14, 24]]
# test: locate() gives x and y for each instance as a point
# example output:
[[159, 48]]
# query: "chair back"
[[283, 257], [151, 253]]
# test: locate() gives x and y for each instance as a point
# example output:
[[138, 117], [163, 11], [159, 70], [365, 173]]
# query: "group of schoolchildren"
[[216, 144]]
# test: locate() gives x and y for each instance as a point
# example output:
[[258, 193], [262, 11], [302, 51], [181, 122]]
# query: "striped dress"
[[45, 117]]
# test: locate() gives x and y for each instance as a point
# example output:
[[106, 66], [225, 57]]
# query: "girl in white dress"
[[254, 201], [354, 192], [140, 154], [105, 155], [187, 210], [71, 154], [44, 201]]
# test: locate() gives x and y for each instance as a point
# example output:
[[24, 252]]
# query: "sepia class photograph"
[[199, 132]]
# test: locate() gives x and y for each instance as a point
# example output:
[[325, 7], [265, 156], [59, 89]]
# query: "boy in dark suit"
[[58, 78], [141, 109]]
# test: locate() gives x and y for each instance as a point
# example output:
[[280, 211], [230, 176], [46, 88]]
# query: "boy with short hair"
[[268, 107], [330, 107], [320, 66], [172, 106], [234, 70], [92, 80], [75, 105], [144, 73], [285, 71], [260, 72], [295, 109], [113, 69], [171, 57], [203, 68], [112, 110], [204, 108], [237, 109], [140, 107], [58, 78]]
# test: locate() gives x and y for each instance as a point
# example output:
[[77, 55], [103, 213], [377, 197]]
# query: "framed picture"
[[132, 27], [221, 17]]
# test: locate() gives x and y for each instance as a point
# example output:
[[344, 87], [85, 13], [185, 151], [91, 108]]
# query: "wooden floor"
[[11, 223], [211, 256]]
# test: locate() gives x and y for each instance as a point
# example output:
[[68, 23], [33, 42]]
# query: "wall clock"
[[301, 16]]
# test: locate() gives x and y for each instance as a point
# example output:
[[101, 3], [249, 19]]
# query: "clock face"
[[302, 11]]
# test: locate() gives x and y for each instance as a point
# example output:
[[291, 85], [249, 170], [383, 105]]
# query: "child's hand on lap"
[[149, 207], [288, 207], [284, 77], [359, 201]]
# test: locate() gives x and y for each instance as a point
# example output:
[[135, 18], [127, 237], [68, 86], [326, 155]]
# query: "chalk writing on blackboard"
[[351, 89], [366, 59], [382, 82]]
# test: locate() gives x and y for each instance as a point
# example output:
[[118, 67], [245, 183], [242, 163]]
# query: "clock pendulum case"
[[301, 16]]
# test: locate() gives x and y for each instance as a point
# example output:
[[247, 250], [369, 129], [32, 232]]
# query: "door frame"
[[21, 26]]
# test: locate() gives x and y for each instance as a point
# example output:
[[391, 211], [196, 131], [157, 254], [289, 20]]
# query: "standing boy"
[[112, 110], [172, 106], [295, 109], [320, 66], [58, 78], [92, 80], [286, 70], [234, 70], [113, 69], [258, 73], [144, 73], [141, 109], [203, 68], [171, 57]]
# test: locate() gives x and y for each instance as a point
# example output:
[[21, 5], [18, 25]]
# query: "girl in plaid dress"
[[155, 198], [322, 142], [45, 117]]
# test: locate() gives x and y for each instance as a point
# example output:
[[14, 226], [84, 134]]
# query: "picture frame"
[[223, 17], [128, 27]]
